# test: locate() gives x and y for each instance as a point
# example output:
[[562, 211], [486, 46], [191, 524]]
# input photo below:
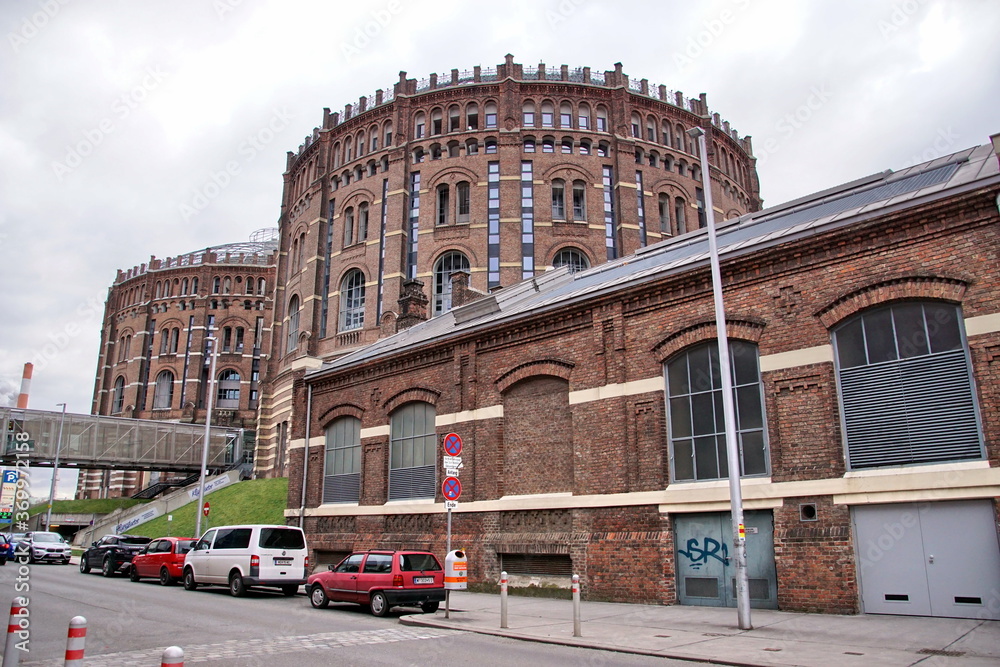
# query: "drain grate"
[[852, 653], [938, 651]]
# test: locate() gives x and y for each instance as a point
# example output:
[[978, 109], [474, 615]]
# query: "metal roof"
[[829, 209]]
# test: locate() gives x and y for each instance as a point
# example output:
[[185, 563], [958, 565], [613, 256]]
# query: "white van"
[[245, 556]]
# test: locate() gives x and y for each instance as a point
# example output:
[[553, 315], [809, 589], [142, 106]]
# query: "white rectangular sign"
[[451, 504], [451, 472], [453, 462]]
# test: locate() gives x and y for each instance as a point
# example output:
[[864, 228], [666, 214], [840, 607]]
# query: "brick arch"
[[342, 410], [939, 288], [452, 175], [356, 198], [737, 328], [555, 367], [569, 172], [420, 394]]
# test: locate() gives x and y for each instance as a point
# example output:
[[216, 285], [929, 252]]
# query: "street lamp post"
[[732, 447], [55, 468], [213, 341]]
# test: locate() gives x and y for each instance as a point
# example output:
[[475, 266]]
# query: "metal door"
[[705, 569], [929, 559]]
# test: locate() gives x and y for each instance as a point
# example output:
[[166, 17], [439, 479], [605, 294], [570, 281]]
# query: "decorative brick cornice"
[[342, 410], [556, 367], [409, 395], [924, 287], [737, 328]]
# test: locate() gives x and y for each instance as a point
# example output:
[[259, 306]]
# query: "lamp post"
[[55, 468], [212, 341], [729, 413]]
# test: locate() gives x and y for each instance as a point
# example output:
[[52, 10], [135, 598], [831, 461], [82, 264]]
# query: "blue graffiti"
[[699, 555]]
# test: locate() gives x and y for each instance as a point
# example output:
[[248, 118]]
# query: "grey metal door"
[[929, 559], [705, 569]]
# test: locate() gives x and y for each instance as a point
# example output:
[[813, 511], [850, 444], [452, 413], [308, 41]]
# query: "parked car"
[[245, 556], [162, 559], [7, 547], [381, 579], [111, 553], [45, 547]]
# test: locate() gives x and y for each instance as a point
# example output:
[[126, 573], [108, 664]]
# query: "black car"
[[111, 553]]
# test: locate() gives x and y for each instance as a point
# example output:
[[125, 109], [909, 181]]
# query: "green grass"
[[96, 506], [254, 501]]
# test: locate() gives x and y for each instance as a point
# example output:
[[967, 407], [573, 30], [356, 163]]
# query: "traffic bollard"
[[576, 605], [75, 640], [503, 600], [18, 613], [173, 656]]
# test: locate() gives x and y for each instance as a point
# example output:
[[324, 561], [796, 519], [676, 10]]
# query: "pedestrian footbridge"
[[90, 441]]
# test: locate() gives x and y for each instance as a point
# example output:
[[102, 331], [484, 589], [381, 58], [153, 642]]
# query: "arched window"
[[664, 207], [529, 144], [240, 334], [336, 155], [163, 393], [436, 122], [387, 134], [650, 128], [472, 147], [349, 226], [443, 204], [228, 395], [292, 338], [453, 149], [585, 147], [462, 206], [566, 115], [352, 301], [194, 286], [362, 221], [680, 215], [472, 116], [491, 145], [571, 257], [579, 200], [548, 114], [164, 341], [454, 119], [528, 114], [548, 145], [419, 125], [261, 284], [567, 145], [696, 427], [418, 155], [361, 143], [118, 397], [666, 134], [248, 285], [583, 116], [227, 285], [412, 445], [558, 199], [342, 464], [636, 126], [679, 137], [905, 382], [448, 264], [491, 115], [348, 148], [373, 138]]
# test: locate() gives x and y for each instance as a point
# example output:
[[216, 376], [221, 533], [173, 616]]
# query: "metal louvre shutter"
[[342, 488], [537, 564], [415, 482], [918, 410]]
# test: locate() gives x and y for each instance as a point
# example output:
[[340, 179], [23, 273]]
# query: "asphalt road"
[[131, 624]]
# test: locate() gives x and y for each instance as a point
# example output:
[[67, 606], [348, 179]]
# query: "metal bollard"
[[503, 600], [75, 640], [18, 612], [173, 656], [576, 605]]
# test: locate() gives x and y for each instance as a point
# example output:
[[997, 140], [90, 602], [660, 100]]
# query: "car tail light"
[[254, 561], [307, 562], [397, 580]]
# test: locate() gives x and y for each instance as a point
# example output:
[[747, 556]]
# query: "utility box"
[[456, 568]]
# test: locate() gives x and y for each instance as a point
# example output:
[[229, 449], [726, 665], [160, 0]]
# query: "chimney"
[[460, 292], [412, 305], [22, 398]]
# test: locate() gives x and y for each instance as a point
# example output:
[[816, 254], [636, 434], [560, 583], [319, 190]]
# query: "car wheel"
[[133, 574], [430, 607], [107, 567], [289, 590], [66, 562], [165, 578], [84, 565], [379, 604], [236, 586], [189, 583], [318, 598]]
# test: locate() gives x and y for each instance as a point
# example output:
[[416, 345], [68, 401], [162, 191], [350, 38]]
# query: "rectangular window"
[[566, 120], [547, 118], [528, 118], [602, 124], [491, 120]]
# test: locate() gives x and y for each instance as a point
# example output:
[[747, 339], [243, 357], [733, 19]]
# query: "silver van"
[[244, 556]]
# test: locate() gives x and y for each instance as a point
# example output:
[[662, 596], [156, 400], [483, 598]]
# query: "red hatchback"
[[161, 559], [381, 579]]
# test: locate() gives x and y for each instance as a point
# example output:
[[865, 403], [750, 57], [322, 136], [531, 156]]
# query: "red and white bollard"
[[75, 640], [173, 656], [503, 600], [576, 605], [18, 616]]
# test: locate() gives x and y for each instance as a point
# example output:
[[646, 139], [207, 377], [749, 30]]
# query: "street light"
[[729, 413], [212, 340], [55, 468]]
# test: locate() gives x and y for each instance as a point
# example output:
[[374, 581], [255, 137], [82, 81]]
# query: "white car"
[[45, 547], [250, 555]]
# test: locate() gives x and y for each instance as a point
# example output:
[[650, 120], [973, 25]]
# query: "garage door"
[[929, 559]]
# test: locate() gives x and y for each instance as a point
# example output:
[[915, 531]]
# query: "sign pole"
[[447, 592]]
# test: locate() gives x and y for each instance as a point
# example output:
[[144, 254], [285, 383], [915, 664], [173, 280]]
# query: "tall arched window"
[[412, 445], [349, 226], [436, 122], [664, 207], [163, 393], [228, 396], [448, 264], [573, 258], [419, 123], [579, 201], [472, 116], [528, 114], [548, 114], [680, 215], [261, 284], [118, 397], [905, 384], [175, 337], [292, 339], [697, 431], [342, 464], [566, 115], [352, 301], [454, 118], [558, 199], [165, 341], [362, 221], [462, 205], [490, 115]]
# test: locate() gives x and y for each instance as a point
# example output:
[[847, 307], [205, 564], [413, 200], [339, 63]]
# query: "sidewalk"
[[711, 634]]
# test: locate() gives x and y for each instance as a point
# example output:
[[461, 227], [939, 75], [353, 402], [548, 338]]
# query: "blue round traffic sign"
[[452, 488], [452, 444]]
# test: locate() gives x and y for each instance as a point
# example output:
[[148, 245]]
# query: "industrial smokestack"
[[22, 399]]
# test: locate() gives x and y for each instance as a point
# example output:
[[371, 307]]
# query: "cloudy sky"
[[118, 118]]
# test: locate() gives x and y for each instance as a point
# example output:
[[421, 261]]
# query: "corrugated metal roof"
[[831, 208]]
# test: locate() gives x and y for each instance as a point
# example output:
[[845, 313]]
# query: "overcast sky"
[[118, 118]]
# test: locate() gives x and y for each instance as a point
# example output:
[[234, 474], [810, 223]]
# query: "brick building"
[[153, 362], [499, 172], [864, 324]]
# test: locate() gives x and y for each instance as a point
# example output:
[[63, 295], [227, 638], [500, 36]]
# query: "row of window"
[[227, 395], [233, 339], [183, 286], [906, 398]]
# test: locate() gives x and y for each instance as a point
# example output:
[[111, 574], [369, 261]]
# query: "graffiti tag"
[[699, 555]]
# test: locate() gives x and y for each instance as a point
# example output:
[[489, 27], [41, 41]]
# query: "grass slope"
[[96, 506]]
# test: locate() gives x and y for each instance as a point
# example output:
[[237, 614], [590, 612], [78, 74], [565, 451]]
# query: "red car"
[[161, 559], [381, 579]]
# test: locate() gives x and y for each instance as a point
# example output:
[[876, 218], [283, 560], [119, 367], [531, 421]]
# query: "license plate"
[[423, 580], [282, 561]]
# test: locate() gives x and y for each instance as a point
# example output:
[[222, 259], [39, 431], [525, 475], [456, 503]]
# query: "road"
[[131, 623]]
